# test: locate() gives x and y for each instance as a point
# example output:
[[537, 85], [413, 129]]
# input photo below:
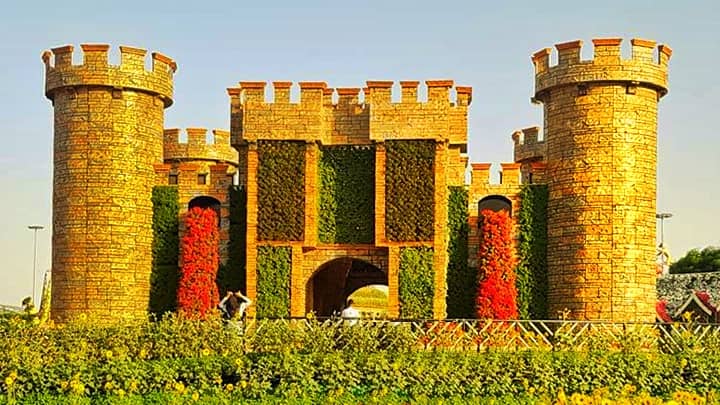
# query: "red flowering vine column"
[[197, 291], [497, 294]]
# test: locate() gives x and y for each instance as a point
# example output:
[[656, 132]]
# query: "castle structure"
[[598, 159]]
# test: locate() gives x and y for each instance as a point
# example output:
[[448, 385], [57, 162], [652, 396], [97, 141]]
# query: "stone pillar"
[[393, 282], [440, 236], [252, 211]]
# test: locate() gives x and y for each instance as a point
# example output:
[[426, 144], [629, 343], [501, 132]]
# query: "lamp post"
[[34, 228], [662, 217]]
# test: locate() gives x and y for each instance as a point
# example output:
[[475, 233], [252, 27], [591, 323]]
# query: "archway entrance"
[[333, 282], [495, 203], [206, 202]]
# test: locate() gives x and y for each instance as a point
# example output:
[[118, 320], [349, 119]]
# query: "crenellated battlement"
[[197, 148], [481, 175], [349, 115], [95, 70], [647, 67], [527, 147], [438, 91]]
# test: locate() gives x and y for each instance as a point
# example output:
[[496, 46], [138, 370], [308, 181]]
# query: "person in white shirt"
[[233, 305], [350, 313]]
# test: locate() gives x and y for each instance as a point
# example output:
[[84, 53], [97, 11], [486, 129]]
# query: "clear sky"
[[483, 44]]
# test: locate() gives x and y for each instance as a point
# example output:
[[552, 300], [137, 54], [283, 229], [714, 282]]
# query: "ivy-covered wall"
[[231, 275], [461, 279], [273, 281], [409, 190], [347, 194], [416, 286], [165, 250], [532, 284], [281, 190]]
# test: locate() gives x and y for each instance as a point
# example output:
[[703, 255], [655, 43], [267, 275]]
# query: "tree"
[[698, 261], [497, 293]]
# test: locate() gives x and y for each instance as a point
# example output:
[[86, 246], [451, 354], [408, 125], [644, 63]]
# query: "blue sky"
[[486, 45]]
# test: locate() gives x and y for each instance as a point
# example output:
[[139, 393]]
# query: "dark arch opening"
[[328, 289], [495, 203], [206, 202]]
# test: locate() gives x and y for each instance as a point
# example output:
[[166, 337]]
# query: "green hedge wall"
[[273, 281], [347, 194], [532, 284], [165, 250], [281, 190], [416, 287], [462, 280], [231, 275], [409, 190]]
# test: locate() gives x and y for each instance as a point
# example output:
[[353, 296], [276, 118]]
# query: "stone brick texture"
[[108, 137], [326, 116], [194, 157], [600, 140], [598, 157]]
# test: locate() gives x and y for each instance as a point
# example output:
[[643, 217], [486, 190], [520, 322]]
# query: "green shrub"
[[409, 190], [165, 249], [273, 281], [416, 285], [310, 359], [347, 194], [532, 284], [281, 190], [231, 275], [461, 278]]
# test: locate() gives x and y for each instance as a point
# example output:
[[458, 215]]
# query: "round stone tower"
[[108, 137], [601, 138]]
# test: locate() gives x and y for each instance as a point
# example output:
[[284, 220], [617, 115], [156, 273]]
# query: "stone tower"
[[108, 137], [202, 171], [601, 137]]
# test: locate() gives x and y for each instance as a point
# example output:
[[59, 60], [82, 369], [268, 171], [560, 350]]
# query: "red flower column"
[[497, 294], [197, 291]]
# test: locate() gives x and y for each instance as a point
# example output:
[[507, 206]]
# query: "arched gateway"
[[334, 281]]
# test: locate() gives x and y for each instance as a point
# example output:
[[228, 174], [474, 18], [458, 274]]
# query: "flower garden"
[[188, 360]]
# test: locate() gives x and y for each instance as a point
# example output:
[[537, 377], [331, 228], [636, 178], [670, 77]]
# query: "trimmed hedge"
[[409, 190], [165, 250], [347, 194], [273, 281], [461, 278], [281, 190], [416, 283], [231, 275], [532, 284]]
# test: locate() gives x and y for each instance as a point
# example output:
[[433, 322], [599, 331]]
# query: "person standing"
[[350, 313]]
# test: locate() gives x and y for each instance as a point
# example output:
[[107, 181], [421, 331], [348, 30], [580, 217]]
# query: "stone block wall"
[[107, 138], [600, 136], [481, 187], [320, 118], [528, 150], [186, 161]]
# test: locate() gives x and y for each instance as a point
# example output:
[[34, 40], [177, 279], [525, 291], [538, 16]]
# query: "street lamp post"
[[662, 217], [34, 228]]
